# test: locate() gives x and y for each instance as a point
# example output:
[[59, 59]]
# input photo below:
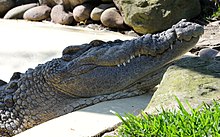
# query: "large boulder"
[[37, 13], [82, 12], [6, 5], [210, 38], [18, 12], [60, 16], [192, 79], [150, 16], [111, 18], [97, 11]]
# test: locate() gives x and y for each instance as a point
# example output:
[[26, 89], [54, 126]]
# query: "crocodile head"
[[107, 67]]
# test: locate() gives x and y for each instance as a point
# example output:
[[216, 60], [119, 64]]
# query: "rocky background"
[[143, 16], [133, 17]]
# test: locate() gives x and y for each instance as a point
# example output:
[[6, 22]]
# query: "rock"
[[97, 11], [208, 54], [37, 13], [82, 12], [112, 18], [58, 15], [6, 5], [17, 12], [210, 38], [191, 79], [150, 16]]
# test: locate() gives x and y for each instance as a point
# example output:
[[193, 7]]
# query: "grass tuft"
[[203, 121]]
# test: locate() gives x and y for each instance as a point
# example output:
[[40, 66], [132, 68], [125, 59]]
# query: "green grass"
[[210, 10], [216, 14], [201, 122]]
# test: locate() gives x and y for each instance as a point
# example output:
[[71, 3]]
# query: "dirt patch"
[[211, 37]]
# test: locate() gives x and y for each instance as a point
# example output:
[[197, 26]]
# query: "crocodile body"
[[91, 73]]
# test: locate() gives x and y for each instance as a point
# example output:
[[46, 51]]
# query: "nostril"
[[199, 31]]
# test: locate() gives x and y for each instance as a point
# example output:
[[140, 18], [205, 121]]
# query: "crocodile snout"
[[187, 30]]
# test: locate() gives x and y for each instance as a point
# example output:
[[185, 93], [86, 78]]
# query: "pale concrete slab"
[[89, 121], [25, 44]]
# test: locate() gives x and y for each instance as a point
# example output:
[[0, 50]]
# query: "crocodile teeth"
[[132, 57], [139, 55], [128, 61]]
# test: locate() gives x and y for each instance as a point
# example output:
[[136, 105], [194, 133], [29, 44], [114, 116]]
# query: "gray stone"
[[82, 12], [37, 13], [208, 54], [211, 37], [97, 11], [17, 12], [6, 5], [58, 15], [156, 15], [192, 79], [112, 18]]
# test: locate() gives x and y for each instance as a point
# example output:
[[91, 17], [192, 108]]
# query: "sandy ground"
[[25, 44]]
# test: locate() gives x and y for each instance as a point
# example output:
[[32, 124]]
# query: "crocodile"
[[90, 73]]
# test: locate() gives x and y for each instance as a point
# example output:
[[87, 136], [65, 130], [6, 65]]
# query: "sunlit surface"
[[25, 44], [89, 121]]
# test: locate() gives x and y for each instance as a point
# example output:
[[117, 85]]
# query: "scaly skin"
[[91, 73]]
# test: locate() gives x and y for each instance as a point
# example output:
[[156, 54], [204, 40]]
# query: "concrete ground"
[[26, 44], [89, 121]]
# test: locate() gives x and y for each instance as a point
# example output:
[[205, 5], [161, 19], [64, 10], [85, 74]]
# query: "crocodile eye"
[[96, 43], [72, 52], [71, 49]]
